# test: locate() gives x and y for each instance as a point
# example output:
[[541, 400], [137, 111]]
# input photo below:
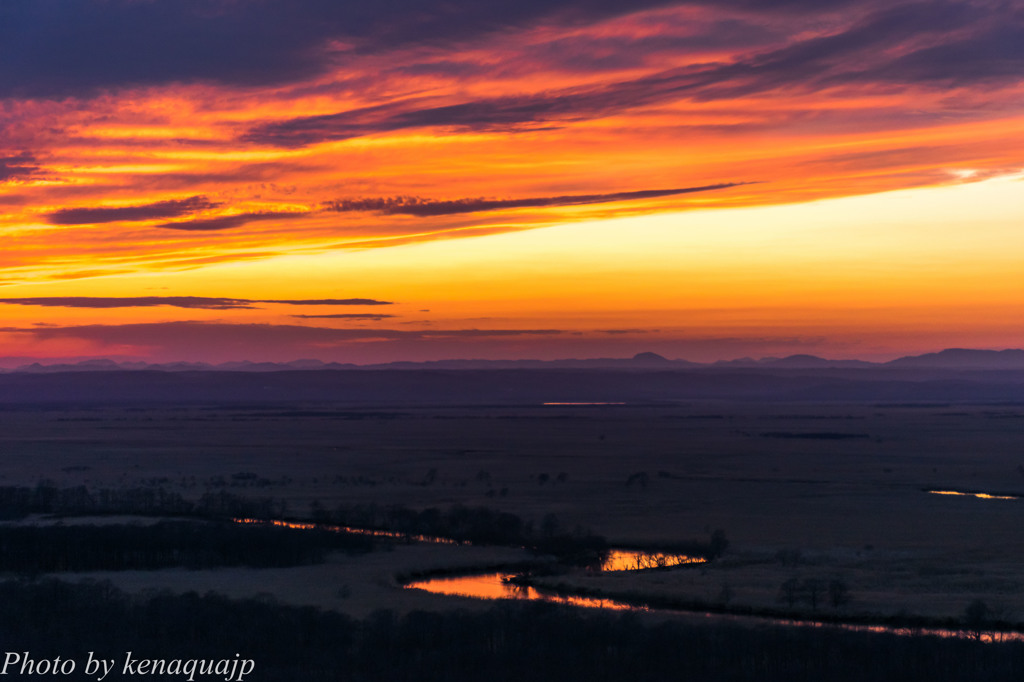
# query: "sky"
[[271, 180]]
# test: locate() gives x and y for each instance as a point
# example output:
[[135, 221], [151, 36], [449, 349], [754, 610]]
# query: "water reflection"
[[634, 560], [394, 535], [498, 586], [983, 496], [501, 585]]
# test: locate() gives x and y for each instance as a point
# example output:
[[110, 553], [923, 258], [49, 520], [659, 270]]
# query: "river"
[[493, 585]]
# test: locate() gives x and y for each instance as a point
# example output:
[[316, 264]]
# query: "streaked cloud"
[[284, 150], [345, 316], [419, 206], [172, 208], [251, 335], [17, 166], [228, 222], [60, 48], [202, 302]]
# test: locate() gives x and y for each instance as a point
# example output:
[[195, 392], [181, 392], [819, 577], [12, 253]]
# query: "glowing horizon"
[[538, 180]]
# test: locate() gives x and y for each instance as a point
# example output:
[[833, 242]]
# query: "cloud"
[[524, 112], [329, 301], [17, 166], [345, 316], [930, 44], [418, 206], [992, 55], [161, 209], [229, 221], [59, 48], [216, 335], [199, 302]]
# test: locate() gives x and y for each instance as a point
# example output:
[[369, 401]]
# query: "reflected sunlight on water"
[[983, 496], [496, 586], [632, 560], [499, 586], [430, 539]]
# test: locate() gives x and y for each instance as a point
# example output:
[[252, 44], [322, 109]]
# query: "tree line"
[[190, 544]]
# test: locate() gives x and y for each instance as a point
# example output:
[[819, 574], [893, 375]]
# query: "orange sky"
[[704, 180]]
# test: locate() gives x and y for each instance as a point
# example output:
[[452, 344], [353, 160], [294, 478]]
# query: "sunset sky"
[[214, 180]]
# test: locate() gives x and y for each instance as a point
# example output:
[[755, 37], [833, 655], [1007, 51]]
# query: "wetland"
[[817, 527]]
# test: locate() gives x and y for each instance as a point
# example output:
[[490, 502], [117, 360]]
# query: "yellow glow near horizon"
[[944, 239], [872, 274]]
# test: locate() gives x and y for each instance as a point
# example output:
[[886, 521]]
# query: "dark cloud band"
[[424, 207], [159, 334], [59, 48], [345, 316], [16, 166], [229, 221], [161, 209], [928, 44], [199, 302]]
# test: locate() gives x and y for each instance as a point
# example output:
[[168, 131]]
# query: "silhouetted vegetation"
[[711, 549], [977, 617], [812, 591], [480, 526], [17, 502], [476, 525], [46, 498], [511, 642], [37, 549]]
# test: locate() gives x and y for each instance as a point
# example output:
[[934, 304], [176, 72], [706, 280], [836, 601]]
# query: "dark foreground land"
[[808, 493], [505, 643]]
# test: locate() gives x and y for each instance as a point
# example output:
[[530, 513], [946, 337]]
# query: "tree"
[[813, 589], [789, 592], [976, 618], [838, 593]]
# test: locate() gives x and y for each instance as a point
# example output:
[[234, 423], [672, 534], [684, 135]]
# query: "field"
[[807, 491]]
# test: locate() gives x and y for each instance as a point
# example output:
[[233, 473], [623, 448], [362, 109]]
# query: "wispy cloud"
[[170, 333], [190, 133], [161, 209], [18, 165], [66, 47], [345, 316], [419, 206], [329, 301], [199, 302], [919, 44], [229, 221]]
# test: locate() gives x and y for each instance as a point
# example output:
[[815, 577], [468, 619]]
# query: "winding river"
[[493, 585]]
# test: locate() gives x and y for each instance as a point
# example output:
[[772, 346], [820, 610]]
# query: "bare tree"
[[838, 593], [789, 592], [976, 618]]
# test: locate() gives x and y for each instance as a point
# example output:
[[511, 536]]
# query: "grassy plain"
[[829, 491]]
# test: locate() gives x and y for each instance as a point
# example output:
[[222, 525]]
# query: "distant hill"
[[795, 362], [537, 386], [965, 358], [639, 361], [949, 359]]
